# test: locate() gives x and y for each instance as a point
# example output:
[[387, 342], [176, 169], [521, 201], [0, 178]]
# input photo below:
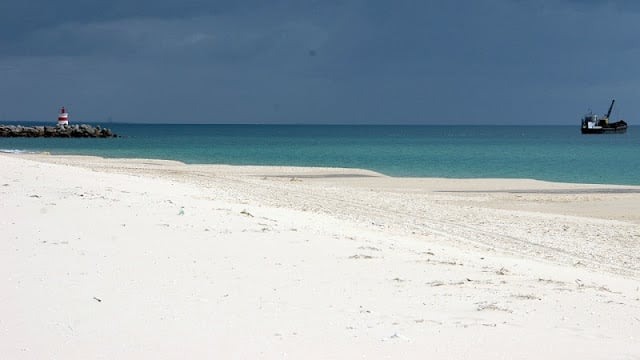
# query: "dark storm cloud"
[[19, 16], [38, 27], [81, 28], [621, 4], [316, 61]]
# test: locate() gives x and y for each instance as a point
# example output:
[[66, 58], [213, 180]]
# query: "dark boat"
[[591, 124]]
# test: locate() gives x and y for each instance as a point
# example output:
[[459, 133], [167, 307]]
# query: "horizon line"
[[289, 124]]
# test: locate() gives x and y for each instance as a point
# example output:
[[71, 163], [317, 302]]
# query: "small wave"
[[18, 151]]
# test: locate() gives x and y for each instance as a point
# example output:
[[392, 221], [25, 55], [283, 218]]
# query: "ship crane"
[[606, 118]]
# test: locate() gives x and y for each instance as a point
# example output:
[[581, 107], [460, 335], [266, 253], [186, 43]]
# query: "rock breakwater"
[[68, 131]]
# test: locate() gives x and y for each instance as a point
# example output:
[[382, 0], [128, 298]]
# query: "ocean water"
[[558, 153]]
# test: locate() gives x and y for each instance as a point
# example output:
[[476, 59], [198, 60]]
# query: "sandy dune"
[[156, 259]]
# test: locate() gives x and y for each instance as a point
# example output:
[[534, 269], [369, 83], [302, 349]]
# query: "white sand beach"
[[135, 259]]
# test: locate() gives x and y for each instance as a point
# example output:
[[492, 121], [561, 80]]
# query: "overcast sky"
[[297, 61]]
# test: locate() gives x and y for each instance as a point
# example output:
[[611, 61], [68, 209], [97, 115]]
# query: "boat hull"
[[619, 127], [605, 130]]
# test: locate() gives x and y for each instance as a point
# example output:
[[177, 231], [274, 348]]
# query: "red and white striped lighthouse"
[[63, 117]]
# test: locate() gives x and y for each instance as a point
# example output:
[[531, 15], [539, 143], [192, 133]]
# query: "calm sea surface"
[[558, 153]]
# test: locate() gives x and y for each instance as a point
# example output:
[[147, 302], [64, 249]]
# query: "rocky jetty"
[[68, 131]]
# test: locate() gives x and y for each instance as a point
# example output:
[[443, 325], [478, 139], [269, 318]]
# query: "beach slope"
[[115, 258]]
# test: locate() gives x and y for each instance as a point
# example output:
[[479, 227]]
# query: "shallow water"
[[558, 153]]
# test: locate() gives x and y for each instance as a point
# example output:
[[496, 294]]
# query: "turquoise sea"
[[558, 153]]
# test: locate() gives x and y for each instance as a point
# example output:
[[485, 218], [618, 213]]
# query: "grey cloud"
[[316, 61], [585, 5], [154, 27], [23, 15]]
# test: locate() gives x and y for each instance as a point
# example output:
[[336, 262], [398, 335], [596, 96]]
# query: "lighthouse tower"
[[63, 117]]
